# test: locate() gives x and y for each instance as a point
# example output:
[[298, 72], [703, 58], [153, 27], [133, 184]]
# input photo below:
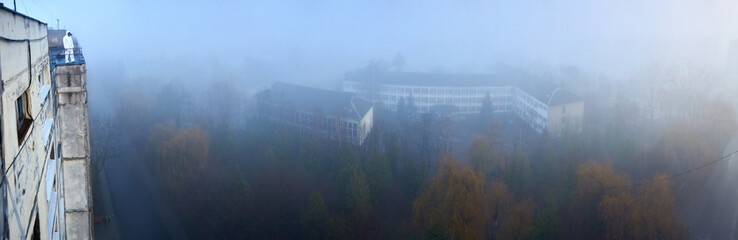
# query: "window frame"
[[23, 119]]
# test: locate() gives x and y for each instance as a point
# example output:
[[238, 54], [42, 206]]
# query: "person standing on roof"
[[68, 47]]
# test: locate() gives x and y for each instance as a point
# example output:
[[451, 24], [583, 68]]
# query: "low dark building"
[[331, 114]]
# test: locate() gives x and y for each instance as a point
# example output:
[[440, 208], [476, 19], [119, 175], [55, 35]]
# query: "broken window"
[[24, 120]]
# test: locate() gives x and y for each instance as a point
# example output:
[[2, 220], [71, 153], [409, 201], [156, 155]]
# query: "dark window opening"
[[36, 230], [6, 232], [23, 112]]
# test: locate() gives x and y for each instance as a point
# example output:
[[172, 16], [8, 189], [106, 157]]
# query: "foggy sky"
[[318, 41]]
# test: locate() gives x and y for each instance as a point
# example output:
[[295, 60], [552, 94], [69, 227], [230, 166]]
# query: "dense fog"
[[213, 119], [319, 41]]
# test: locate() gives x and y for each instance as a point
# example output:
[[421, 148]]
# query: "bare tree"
[[447, 135], [104, 147]]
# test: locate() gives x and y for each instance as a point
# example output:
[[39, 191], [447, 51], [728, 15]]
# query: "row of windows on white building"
[[461, 109], [438, 91], [468, 100], [447, 100], [531, 110]]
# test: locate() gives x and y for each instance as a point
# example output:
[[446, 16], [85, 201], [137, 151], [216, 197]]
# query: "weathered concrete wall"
[[71, 84], [71, 76], [15, 54], [73, 118], [24, 67]]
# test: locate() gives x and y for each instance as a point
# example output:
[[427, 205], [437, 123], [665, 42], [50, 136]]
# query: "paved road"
[[715, 215], [134, 207], [104, 208], [162, 209]]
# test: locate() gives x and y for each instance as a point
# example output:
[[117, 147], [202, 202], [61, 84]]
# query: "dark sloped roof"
[[537, 88], [362, 105], [562, 97], [320, 101], [431, 79]]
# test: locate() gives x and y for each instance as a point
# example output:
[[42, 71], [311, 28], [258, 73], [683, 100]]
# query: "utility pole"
[[57, 24], [14, 10]]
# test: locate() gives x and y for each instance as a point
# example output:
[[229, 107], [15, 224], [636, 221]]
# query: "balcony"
[[48, 123], [62, 219], [52, 214], [50, 174], [44, 92]]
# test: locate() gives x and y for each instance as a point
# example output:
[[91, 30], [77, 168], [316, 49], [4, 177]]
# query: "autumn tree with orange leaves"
[[656, 216], [182, 157], [520, 221], [486, 156], [451, 204], [498, 202], [593, 182], [606, 205]]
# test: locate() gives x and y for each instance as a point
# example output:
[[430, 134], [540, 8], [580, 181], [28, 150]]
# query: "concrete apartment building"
[[45, 191], [70, 81], [331, 114], [542, 105]]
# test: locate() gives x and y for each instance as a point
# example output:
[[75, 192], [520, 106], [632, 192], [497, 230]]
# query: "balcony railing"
[[56, 55], [48, 123], [52, 214], [62, 219], [50, 174], [44, 92]]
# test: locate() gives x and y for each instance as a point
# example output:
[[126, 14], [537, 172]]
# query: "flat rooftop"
[[56, 49], [538, 88], [58, 59], [431, 79]]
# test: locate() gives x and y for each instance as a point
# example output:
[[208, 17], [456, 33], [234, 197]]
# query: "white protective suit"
[[68, 47]]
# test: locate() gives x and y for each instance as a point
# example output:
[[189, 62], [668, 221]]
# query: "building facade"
[[34, 181], [509, 92], [71, 91], [565, 114], [330, 114], [465, 91]]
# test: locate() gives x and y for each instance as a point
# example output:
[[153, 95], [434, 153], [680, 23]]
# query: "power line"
[[24, 6], [678, 174], [43, 7]]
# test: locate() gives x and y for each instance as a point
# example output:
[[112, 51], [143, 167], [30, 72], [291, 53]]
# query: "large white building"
[[530, 98]]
